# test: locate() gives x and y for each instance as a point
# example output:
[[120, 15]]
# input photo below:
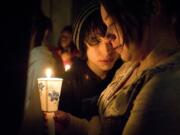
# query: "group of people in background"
[[125, 70]]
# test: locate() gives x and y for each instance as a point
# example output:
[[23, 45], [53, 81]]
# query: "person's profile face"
[[114, 34]]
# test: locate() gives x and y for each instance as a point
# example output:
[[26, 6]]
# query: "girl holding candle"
[[144, 96]]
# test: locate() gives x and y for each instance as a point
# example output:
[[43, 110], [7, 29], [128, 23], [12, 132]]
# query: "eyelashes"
[[92, 41]]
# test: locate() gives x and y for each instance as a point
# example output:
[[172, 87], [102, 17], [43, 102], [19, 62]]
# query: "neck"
[[100, 73]]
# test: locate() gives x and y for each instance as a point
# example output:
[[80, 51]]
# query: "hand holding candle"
[[50, 90]]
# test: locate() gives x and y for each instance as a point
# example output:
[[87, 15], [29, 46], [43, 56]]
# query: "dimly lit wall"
[[78, 6], [60, 11]]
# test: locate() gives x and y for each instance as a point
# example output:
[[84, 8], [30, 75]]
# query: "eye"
[[92, 41], [110, 36]]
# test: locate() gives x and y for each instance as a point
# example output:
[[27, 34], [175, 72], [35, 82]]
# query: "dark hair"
[[40, 25], [132, 16], [71, 47], [88, 24], [67, 28]]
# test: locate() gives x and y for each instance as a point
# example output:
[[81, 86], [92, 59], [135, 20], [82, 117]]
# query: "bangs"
[[96, 32], [95, 26]]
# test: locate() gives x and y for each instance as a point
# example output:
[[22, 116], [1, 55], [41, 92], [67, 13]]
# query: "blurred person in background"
[[41, 58], [66, 49]]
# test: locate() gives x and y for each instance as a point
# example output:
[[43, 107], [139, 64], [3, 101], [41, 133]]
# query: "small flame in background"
[[48, 72], [67, 67]]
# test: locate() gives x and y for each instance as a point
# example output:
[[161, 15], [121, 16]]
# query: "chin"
[[106, 68]]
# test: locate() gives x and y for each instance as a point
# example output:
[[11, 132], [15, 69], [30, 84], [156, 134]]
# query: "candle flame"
[[48, 72]]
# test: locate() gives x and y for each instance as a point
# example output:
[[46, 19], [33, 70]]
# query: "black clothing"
[[81, 89]]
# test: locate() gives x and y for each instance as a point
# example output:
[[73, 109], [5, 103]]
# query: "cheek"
[[119, 34], [130, 52], [91, 54], [125, 54]]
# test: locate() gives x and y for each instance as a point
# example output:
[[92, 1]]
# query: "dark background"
[[15, 29]]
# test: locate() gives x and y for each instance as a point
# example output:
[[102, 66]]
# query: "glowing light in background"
[[67, 67]]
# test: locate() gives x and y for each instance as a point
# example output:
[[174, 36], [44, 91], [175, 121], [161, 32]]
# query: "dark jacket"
[[81, 89]]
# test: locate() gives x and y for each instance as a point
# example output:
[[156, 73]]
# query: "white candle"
[[50, 90]]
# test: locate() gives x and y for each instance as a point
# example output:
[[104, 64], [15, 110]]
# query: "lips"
[[107, 60]]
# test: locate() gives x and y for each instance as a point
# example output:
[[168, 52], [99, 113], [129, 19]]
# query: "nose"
[[110, 38], [108, 48], [109, 34]]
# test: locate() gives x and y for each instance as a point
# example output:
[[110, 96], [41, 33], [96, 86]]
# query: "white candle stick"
[[51, 123], [50, 90]]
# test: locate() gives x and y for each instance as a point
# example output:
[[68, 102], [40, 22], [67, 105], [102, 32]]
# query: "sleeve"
[[66, 101], [36, 69], [156, 109], [33, 117]]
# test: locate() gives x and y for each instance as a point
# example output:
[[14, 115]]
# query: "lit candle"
[[50, 90]]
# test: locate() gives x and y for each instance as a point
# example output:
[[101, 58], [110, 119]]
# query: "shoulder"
[[36, 49], [156, 107], [162, 89], [167, 79], [40, 50]]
